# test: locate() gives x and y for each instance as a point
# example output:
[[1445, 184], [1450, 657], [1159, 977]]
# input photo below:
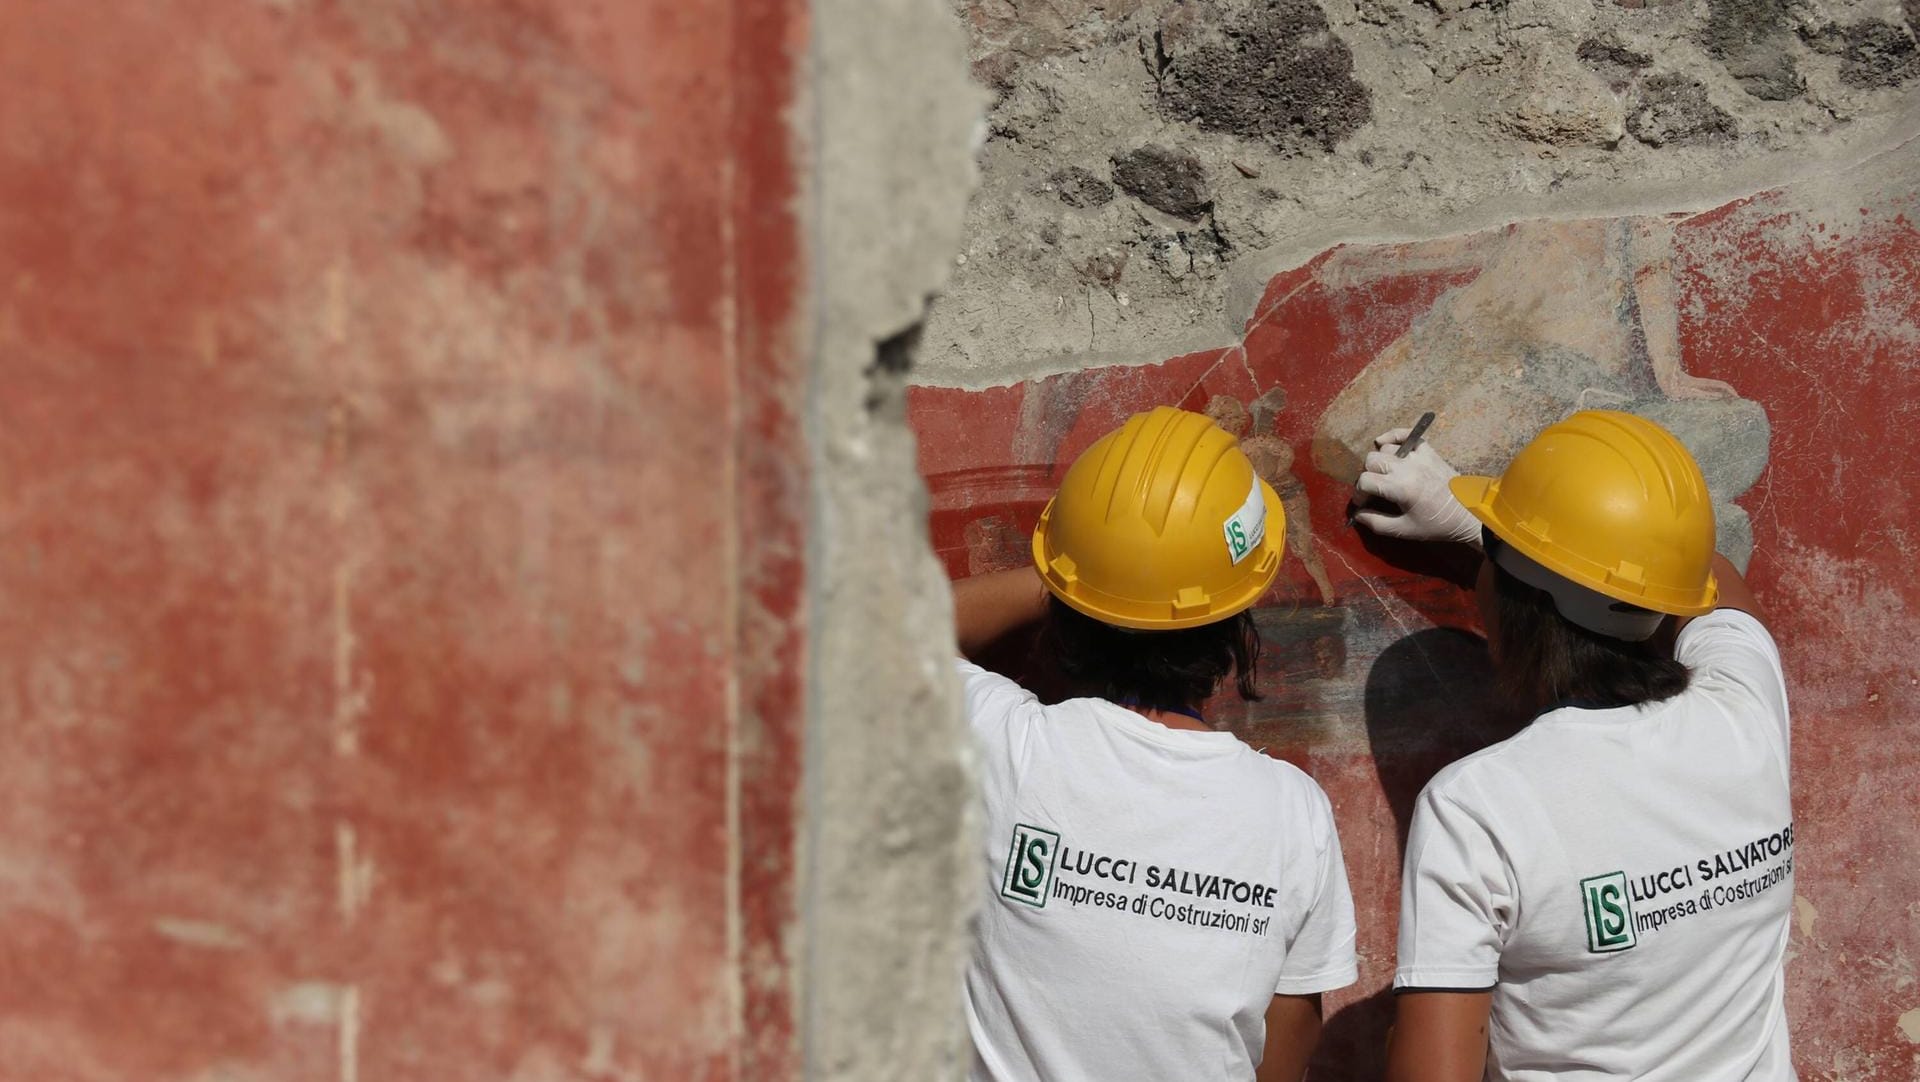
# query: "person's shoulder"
[[982, 687], [1294, 788], [1734, 663], [1470, 780], [1277, 771], [1732, 644], [996, 708], [1724, 623], [1288, 800]]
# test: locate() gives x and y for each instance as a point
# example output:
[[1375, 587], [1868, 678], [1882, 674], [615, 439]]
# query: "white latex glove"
[[1417, 485]]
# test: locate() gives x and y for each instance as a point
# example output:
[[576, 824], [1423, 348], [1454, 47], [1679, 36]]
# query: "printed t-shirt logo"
[[1029, 875], [1609, 913]]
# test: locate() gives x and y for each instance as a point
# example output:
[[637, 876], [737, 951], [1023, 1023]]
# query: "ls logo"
[[1609, 913], [1029, 874]]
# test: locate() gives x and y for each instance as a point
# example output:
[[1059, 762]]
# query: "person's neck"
[[1171, 719]]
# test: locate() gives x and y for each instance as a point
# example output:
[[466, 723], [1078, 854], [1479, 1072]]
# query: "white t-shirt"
[[1150, 891], [1622, 879]]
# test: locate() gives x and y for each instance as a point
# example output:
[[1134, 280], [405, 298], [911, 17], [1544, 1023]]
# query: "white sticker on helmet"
[[1247, 527]]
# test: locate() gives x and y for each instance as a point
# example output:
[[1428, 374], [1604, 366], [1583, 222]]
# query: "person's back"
[[1156, 888], [1607, 894], [1163, 901], [1650, 856]]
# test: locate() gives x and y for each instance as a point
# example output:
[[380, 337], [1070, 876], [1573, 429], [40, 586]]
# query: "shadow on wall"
[[1429, 701]]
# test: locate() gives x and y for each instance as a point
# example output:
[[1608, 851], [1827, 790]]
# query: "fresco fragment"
[[1779, 336]]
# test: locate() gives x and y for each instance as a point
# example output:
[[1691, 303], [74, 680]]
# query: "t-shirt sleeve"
[[1456, 900], [1731, 646], [1321, 957], [1000, 712]]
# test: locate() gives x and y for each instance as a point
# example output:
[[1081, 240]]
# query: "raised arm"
[[988, 606], [1734, 592]]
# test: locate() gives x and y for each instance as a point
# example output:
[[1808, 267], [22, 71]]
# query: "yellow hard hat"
[[1161, 524], [1611, 502]]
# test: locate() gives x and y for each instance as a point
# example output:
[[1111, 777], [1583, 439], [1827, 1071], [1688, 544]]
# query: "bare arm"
[[1293, 1028], [1734, 592], [1439, 1037], [988, 606]]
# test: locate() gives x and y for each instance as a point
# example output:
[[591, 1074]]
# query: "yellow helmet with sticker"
[[1161, 524]]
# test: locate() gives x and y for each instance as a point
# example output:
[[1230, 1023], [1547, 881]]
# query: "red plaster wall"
[[400, 540], [1807, 300]]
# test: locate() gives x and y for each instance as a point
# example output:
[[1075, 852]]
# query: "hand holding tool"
[[1411, 475], [1413, 438]]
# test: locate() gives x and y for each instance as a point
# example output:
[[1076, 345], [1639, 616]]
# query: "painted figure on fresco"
[[1272, 459], [1607, 893], [1560, 316]]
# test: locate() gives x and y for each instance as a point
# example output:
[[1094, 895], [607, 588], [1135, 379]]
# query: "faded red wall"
[[1806, 300], [400, 539]]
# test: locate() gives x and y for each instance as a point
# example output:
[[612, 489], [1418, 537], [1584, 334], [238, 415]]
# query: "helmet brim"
[[1471, 491], [1476, 495]]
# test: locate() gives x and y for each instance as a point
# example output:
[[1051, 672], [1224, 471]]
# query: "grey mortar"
[[1730, 440]]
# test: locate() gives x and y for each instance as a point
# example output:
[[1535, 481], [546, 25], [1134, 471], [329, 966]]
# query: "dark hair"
[[1160, 670], [1541, 659]]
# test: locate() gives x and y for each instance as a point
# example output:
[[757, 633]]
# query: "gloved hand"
[[1417, 485]]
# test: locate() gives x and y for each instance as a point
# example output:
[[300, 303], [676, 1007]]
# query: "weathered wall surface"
[[404, 607], [891, 883], [1773, 323], [362, 721], [1152, 163]]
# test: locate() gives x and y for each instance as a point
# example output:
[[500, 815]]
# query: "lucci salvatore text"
[[1707, 869], [1199, 885]]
